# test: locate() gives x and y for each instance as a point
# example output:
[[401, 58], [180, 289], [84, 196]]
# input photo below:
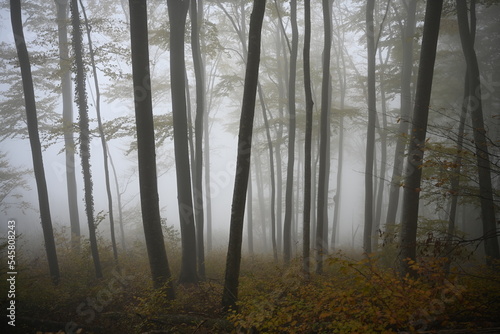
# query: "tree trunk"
[[370, 136], [287, 223], [323, 146], [404, 121], [199, 70], [36, 148], [177, 12], [103, 138], [250, 217], [419, 129], [84, 134], [480, 139], [69, 142], [306, 229], [146, 152], [231, 280]]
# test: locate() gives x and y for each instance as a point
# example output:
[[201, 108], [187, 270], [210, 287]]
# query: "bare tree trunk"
[[404, 121], [287, 223], [231, 280], [36, 148], [69, 142], [146, 153], [480, 139], [84, 134], [412, 189], [250, 217], [103, 138], [323, 147], [370, 136], [177, 12]]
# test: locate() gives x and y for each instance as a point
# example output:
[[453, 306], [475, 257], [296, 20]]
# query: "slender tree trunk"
[[119, 203], [69, 142], [250, 217], [306, 229], [488, 218], [287, 224], [404, 121], [370, 136], [36, 148], [208, 192], [81, 96], [231, 280], [323, 146], [419, 130], [146, 152], [199, 70], [103, 137], [177, 12]]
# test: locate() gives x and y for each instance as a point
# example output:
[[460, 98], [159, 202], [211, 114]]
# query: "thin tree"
[[370, 136], [177, 13], [233, 260], [287, 223], [199, 71], [100, 128], [67, 104], [324, 139], [306, 232], [146, 153], [81, 96], [404, 121], [36, 148], [480, 139], [413, 171]]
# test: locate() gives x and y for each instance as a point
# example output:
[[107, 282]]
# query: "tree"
[[287, 224], [322, 201], [416, 148], [481, 142], [233, 260], [69, 142], [404, 121], [36, 149], [177, 13], [370, 136], [306, 234], [81, 97], [199, 71], [100, 128], [146, 152]]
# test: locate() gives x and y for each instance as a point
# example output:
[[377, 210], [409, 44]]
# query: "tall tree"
[[287, 223], [177, 13], [481, 141], [404, 121], [370, 136], [322, 201], [146, 152], [413, 171], [36, 148], [233, 260], [67, 104], [81, 96], [306, 232], [199, 71], [100, 128]]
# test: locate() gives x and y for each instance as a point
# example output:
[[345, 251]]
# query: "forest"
[[280, 166]]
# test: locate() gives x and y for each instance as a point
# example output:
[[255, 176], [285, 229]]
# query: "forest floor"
[[355, 294]]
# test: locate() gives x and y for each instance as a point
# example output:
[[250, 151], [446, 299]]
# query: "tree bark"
[[177, 12], [233, 261], [81, 97], [69, 142], [323, 146], [146, 152], [480, 138], [36, 148], [413, 171], [287, 223]]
